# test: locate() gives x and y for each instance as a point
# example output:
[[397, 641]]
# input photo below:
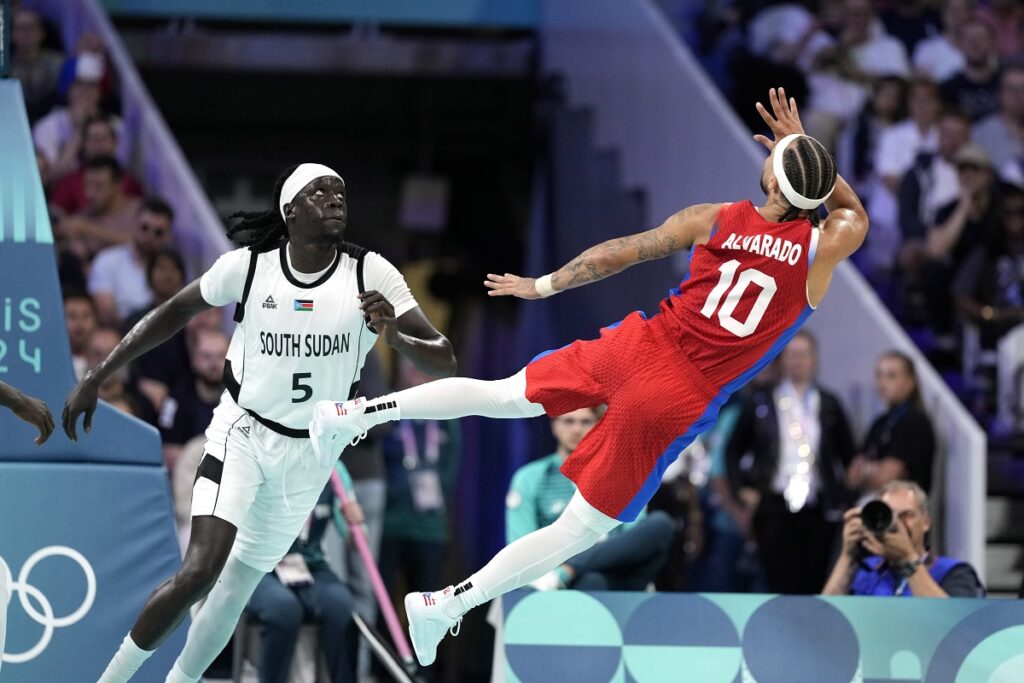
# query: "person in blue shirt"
[[631, 555], [898, 561]]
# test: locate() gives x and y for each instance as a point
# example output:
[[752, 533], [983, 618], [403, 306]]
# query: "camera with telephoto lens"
[[877, 517]]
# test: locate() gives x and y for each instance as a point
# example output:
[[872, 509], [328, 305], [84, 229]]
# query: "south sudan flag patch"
[[304, 305]]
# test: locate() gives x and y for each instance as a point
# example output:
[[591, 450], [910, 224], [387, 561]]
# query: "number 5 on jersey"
[[735, 292], [304, 389]]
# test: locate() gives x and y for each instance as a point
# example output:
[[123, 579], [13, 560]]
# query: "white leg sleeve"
[[454, 397], [530, 557], [213, 626]]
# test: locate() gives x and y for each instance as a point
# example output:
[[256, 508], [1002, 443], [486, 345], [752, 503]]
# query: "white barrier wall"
[[680, 141]]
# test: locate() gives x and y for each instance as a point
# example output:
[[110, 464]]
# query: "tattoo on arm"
[[613, 256]]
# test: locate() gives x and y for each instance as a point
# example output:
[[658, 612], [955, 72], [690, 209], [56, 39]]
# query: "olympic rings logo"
[[45, 617]]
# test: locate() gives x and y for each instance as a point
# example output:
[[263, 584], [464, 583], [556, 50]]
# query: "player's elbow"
[[448, 364]]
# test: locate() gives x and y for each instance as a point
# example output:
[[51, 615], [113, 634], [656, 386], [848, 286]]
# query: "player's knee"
[[196, 579]]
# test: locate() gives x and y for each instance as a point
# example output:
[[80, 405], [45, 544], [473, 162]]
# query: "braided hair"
[[262, 230], [811, 171]]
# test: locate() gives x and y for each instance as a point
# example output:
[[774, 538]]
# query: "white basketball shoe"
[[335, 426], [428, 624]]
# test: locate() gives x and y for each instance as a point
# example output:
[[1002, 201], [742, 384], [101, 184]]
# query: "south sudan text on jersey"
[[291, 345]]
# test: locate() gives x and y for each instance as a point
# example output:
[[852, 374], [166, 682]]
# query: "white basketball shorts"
[[262, 482]]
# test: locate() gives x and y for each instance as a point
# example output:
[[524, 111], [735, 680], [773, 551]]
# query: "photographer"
[[894, 560]]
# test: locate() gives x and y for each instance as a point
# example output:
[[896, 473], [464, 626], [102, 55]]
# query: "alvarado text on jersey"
[[292, 345]]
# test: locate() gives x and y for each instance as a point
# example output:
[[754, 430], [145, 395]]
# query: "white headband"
[[303, 175], [794, 197]]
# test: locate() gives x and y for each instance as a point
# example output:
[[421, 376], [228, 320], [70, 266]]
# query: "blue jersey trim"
[[650, 487], [705, 421]]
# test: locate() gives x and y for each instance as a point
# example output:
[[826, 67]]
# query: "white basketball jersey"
[[298, 343]]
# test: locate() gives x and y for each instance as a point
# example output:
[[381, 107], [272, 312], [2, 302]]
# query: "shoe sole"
[[410, 605]]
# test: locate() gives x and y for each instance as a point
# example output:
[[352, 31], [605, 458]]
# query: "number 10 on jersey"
[[733, 288]]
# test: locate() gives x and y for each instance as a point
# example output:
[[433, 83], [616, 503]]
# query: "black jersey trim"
[[234, 389], [307, 285], [240, 306]]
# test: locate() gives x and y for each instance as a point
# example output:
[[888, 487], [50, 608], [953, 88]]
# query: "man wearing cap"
[[309, 307], [58, 135]]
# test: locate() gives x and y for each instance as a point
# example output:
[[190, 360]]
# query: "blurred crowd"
[[922, 102]]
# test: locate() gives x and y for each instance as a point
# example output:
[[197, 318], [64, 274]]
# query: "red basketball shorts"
[[658, 402]]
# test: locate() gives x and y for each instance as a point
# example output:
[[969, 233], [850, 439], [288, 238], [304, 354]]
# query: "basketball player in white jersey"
[[309, 307]]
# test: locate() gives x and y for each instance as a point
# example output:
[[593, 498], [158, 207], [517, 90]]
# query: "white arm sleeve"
[[385, 278], [224, 281]]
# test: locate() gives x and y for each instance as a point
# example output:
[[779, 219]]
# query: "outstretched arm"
[[157, 327], [31, 410], [682, 230]]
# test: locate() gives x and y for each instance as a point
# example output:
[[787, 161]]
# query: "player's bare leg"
[[167, 607]]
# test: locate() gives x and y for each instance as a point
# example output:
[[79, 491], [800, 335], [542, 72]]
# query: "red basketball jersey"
[[745, 295]]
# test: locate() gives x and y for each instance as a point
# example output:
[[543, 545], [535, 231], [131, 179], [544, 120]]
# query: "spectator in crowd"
[[940, 56], [118, 279], [786, 459], [165, 275], [81, 320], [900, 144], [900, 443], [729, 562], [118, 389], [842, 73], [34, 65], [1001, 134], [932, 183], [58, 134], [628, 559], [98, 139], [1007, 18], [303, 587], [989, 287], [898, 147], [188, 409], [975, 88], [958, 228], [910, 21], [421, 458], [858, 146], [898, 561], [108, 217], [158, 370]]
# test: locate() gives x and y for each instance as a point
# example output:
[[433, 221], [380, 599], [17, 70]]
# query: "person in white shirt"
[[941, 56], [1001, 135], [117, 279], [309, 307]]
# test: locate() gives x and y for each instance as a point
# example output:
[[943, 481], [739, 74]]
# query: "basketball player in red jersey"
[[756, 274]]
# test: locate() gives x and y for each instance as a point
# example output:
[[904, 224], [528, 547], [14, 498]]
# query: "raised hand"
[[783, 120], [511, 285]]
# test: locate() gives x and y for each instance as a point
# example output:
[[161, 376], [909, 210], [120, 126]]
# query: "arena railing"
[[681, 143], [155, 155]]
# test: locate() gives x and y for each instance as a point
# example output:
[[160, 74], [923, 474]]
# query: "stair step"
[[1004, 567], [1004, 519]]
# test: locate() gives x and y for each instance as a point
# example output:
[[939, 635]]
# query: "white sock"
[[126, 662], [213, 625], [178, 676], [453, 397], [530, 557]]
